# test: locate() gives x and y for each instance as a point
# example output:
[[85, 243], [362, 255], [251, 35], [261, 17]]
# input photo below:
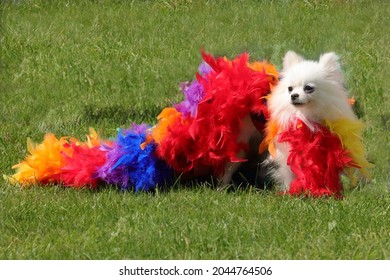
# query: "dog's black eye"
[[290, 89], [308, 88]]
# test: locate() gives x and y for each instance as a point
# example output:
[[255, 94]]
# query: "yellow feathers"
[[349, 132]]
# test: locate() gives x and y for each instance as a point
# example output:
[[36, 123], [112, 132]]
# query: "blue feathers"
[[129, 166]]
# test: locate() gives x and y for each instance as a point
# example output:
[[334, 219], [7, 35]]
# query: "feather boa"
[[81, 164], [349, 132], [129, 166], [206, 139], [317, 159], [197, 136], [80, 168], [44, 162], [319, 154], [64, 161], [193, 93]]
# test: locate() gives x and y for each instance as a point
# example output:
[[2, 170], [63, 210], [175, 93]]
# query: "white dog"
[[312, 94]]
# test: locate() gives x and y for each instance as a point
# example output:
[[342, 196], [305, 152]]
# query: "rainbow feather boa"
[[142, 157]]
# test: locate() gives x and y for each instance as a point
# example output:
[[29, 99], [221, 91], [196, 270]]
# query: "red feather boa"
[[317, 159], [80, 169], [206, 142]]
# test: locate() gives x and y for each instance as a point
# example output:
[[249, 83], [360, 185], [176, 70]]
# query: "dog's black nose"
[[294, 96]]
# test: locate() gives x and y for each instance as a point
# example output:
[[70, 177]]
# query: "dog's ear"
[[330, 61], [290, 59]]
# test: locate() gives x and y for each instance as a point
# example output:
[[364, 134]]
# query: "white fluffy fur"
[[327, 100]]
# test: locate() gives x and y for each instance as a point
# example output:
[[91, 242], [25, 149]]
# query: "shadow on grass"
[[120, 113]]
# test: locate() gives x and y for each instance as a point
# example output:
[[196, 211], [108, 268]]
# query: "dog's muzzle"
[[294, 97]]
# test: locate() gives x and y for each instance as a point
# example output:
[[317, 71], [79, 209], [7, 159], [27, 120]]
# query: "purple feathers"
[[193, 93]]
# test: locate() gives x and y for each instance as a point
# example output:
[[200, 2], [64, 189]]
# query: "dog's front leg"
[[283, 173]]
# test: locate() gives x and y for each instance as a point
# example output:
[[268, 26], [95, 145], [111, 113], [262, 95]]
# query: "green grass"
[[69, 65], [191, 224]]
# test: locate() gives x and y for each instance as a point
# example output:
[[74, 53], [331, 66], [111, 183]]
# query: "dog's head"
[[313, 90]]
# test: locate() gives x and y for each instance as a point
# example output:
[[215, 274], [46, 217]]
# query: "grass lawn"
[[69, 65]]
